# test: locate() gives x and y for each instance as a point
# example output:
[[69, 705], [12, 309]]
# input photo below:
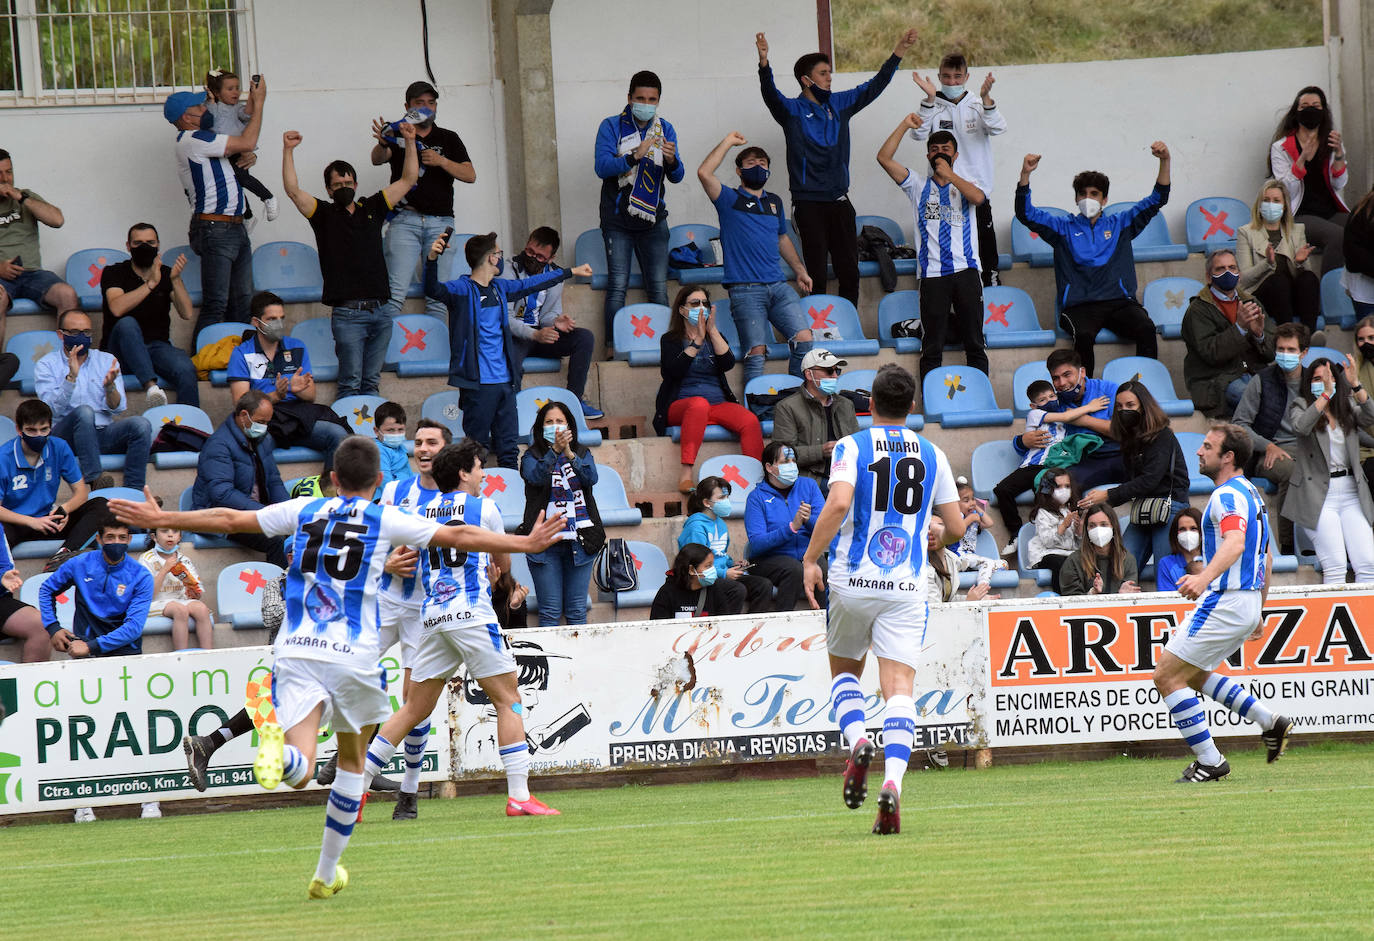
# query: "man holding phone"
[[21, 271]]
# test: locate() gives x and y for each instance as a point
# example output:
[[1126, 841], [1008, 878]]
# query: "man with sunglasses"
[[85, 390], [816, 416]]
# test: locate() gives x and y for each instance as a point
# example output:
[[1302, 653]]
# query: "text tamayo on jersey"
[[455, 582]]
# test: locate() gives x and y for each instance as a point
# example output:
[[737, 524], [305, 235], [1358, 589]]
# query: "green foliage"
[[1025, 32], [1101, 849]]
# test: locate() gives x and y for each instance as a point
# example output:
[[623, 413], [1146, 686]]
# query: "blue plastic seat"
[[7, 428], [987, 547], [637, 331], [290, 270], [700, 235], [1029, 248], [868, 269], [1155, 376], [30, 346], [190, 275], [961, 397], [894, 308], [537, 364], [1323, 352], [1024, 375], [1166, 301], [725, 323], [1336, 304], [742, 472], [520, 571], [835, 326], [358, 411], [213, 334], [1154, 243], [1010, 319], [992, 461], [317, 333], [36, 549], [1043, 577], [83, 273], [590, 249], [239, 591], [611, 500], [769, 384], [504, 486], [202, 540], [117, 493], [64, 602], [529, 401], [443, 407], [419, 346], [1198, 484], [186, 415], [453, 264], [651, 565], [1212, 222]]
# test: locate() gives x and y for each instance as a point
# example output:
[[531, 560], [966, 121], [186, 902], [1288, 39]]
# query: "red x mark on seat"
[[821, 318], [494, 485], [999, 314], [415, 339], [638, 564], [253, 579], [63, 598], [1216, 223], [95, 270], [642, 327], [731, 473]]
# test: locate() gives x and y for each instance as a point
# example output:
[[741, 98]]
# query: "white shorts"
[[399, 622], [1215, 628], [353, 698], [446, 645], [895, 630]]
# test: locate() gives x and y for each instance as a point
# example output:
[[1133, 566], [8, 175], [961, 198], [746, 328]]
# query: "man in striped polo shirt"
[[217, 234]]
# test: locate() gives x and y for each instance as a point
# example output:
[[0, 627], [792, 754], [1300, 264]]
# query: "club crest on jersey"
[[889, 547], [322, 605], [444, 591]]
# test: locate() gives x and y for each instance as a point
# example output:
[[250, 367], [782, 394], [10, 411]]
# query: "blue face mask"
[[500, 264], [643, 113], [787, 473], [394, 441], [707, 577], [162, 551], [1318, 390], [755, 176], [70, 343], [722, 507], [822, 95], [1271, 212], [1287, 361], [829, 386], [1226, 281], [115, 551], [35, 443], [951, 91], [551, 432], [694, 315], [207, 121]]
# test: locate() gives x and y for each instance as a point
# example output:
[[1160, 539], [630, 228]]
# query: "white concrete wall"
[[331, 66]]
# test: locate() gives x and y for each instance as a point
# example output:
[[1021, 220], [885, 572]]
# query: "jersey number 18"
[[906, 496]]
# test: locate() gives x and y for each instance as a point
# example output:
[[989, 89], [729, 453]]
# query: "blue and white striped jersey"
[[898, 477], [339, 545], [408, 495], [945, 239], [458, 580], [1236, 504], [206, 174]]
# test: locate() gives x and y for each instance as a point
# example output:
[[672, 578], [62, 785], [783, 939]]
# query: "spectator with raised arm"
[[753, 235], [1308, 157], [1094, 265], [22, 276], [136, 300], [1227, 336], [815, 125], [636, 157], [236, 469], [778, 518], [208, 178], [428, 207], [974, 120], [348, 233], [816, 416], [85, 389], [1277, 265]]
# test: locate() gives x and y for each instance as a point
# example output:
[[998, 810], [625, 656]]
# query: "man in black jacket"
[[1263, 411]]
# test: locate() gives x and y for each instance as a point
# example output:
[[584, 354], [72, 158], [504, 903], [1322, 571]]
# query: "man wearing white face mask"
[[778, 517], [1094, 266], [236, 470]]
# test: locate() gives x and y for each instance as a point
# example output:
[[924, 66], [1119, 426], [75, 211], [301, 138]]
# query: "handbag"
[[615, 567], [1155, 511]]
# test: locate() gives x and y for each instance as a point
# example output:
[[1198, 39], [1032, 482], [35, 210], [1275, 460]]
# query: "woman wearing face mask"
[[695, 362], [1277, 265], [1364, 365], [1358, 279], [1185, 536], [709, 505], [1308, 158], [1058, 527], [1155, 468], [1329, 496], [778, 517], [945, 566], [692, 589], [1102, 566], [559, 475]]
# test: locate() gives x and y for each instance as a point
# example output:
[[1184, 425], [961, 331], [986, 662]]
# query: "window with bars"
[[92, 52]]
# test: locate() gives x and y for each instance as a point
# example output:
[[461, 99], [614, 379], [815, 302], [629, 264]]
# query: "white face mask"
[[1089, 207], [1061, 494], [1100, 535], [1188, 539]]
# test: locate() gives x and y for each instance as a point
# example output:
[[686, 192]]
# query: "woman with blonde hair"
[[1276, 263]]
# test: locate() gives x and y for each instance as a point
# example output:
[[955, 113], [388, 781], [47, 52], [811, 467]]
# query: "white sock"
[[295, 770], [847, 700], [415, 744], [1236, 698], [899, 734], [516, 758], [339, 816], [379, 755], [1191, 720]]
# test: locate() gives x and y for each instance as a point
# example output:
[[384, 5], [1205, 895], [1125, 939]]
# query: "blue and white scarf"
[[645, 178], [567, 497]]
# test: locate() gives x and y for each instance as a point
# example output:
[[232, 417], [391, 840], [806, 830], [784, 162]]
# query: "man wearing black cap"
[[217, 234], [428, 209]]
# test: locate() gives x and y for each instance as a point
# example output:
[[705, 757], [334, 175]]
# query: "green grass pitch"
[[1088, 849]]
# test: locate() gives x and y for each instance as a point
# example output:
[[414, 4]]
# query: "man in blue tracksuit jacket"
[[778, 518], [482, 355], [1094, 266], [816, 127], [113, 592]]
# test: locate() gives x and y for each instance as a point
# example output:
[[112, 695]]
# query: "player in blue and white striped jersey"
[[885, 483], [1230, 592], [460, 630], [946, 245], [326, 669]]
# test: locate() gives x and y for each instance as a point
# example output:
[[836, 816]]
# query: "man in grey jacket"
[[539, 326], [816, 416]]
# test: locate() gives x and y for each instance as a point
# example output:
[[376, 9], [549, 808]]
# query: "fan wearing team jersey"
[[327, 668], [947, 257], [886, 484]]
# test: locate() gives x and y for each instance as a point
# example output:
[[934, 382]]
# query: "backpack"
[[174, 437], [908, 328], [615, 567], [876, 245], [687, 255], [763, 403]]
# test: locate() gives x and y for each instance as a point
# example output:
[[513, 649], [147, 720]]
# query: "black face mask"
[[525, 263], [1310, 117], [1071, 398], [937, 157], [342, 196], [1129, 418], [1367, 351], [143, 255]]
